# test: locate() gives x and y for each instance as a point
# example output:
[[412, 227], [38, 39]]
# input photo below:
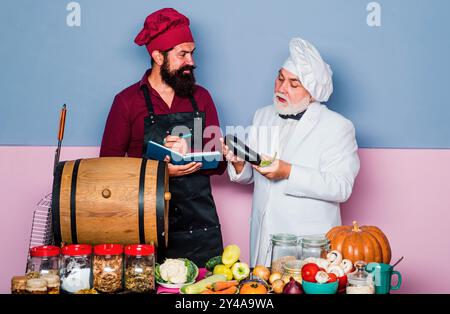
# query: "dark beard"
[[182, 84]]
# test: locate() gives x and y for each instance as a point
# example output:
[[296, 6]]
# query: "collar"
[[144, 80]]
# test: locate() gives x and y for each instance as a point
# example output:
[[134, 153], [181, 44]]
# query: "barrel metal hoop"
[[56, 192], [73, 202], [160, 205], [141, 200]]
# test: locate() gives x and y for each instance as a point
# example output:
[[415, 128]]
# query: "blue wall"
[[391, 81]]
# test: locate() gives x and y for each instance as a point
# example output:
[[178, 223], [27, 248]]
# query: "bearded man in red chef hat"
[[164, 100]]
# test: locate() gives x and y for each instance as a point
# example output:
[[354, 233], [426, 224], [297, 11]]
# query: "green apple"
[[240, 271]]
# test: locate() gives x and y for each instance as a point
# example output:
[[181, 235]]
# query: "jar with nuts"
[[140, 268], [108, 268]]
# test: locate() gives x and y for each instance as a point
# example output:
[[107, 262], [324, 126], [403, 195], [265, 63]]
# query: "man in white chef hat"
[[300, 192]]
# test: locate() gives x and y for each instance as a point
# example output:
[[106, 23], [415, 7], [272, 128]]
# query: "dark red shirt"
[[124, 129]]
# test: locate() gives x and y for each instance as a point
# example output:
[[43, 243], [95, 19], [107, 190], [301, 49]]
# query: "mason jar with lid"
[[53, 283], [108, 267], [36, 286], [140, 268], [284, 248], [292, 269], [317, 246], [76, 268], [360, 281], [19, 285], [43, 260]]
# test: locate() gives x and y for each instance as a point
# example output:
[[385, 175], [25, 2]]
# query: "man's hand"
[[176, 143], [237, 162], [278, 170], [182, 170]]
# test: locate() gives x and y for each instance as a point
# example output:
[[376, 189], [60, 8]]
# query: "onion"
[[293, 287], [277, 286]]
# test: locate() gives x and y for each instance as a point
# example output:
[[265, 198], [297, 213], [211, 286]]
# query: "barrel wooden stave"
[[114, 219]]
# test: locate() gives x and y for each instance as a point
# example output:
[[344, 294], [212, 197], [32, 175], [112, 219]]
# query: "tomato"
[[342, 282], [332, 278], [309, 272], [253, 287]]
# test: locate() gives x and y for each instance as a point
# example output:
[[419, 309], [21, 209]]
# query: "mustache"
[[190, 68], [281, 96]]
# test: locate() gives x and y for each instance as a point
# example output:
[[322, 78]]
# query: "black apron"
[[194, 229]]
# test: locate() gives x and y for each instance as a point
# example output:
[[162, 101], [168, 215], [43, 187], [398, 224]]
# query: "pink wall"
[[404, 192]]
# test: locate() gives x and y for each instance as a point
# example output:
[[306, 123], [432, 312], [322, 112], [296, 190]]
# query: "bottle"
[[53, 283], [360, 281], [76, 268], [43, 260], [36, 286], [108, 267], [292, 269], [140, 268], [19, 285]]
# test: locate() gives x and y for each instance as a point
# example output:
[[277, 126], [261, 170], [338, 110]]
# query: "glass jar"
[[76, 268], [19, 285], [360, 281], [36, 286], [292, 269], [140, 268], [108, 267], [53, 283], [284, 248], [317, 246], [43, 260]]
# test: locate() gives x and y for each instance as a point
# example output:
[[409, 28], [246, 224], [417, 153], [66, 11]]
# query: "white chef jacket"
[[322, 150]]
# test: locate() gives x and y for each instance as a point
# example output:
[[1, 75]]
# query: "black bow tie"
[[297, 116]]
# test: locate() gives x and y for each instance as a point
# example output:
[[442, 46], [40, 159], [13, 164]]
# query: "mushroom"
[[322, 277], [334, 257], [321, 262], [309, 260], [337, 270], [346, 265]]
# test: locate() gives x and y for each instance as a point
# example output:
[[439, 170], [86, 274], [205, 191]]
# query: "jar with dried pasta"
[[140, 268], [108, 268]]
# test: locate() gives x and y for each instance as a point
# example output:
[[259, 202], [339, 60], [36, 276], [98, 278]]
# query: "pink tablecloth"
[[163, 290]]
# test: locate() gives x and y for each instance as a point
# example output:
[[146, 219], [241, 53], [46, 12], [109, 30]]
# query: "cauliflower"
[[174, 271]]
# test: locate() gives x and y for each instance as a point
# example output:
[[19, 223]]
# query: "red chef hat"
[[164, 29]]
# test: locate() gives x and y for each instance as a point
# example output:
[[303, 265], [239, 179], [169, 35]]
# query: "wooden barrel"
[[111, 200]]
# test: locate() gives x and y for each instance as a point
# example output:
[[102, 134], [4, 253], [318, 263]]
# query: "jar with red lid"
[[76, 266], [108, 267], [140, 268], [43, 260]]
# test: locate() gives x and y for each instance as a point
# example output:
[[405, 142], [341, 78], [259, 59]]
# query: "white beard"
[[289, 108]]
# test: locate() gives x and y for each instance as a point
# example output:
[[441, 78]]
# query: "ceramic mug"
[[383, 277]]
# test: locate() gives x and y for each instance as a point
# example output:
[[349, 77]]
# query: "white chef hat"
[[306, 62]]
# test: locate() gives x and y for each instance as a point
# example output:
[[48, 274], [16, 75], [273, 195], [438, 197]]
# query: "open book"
[[209, 160]]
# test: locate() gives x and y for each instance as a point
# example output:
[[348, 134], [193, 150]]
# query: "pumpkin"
[[365, 243], [253, 287]]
